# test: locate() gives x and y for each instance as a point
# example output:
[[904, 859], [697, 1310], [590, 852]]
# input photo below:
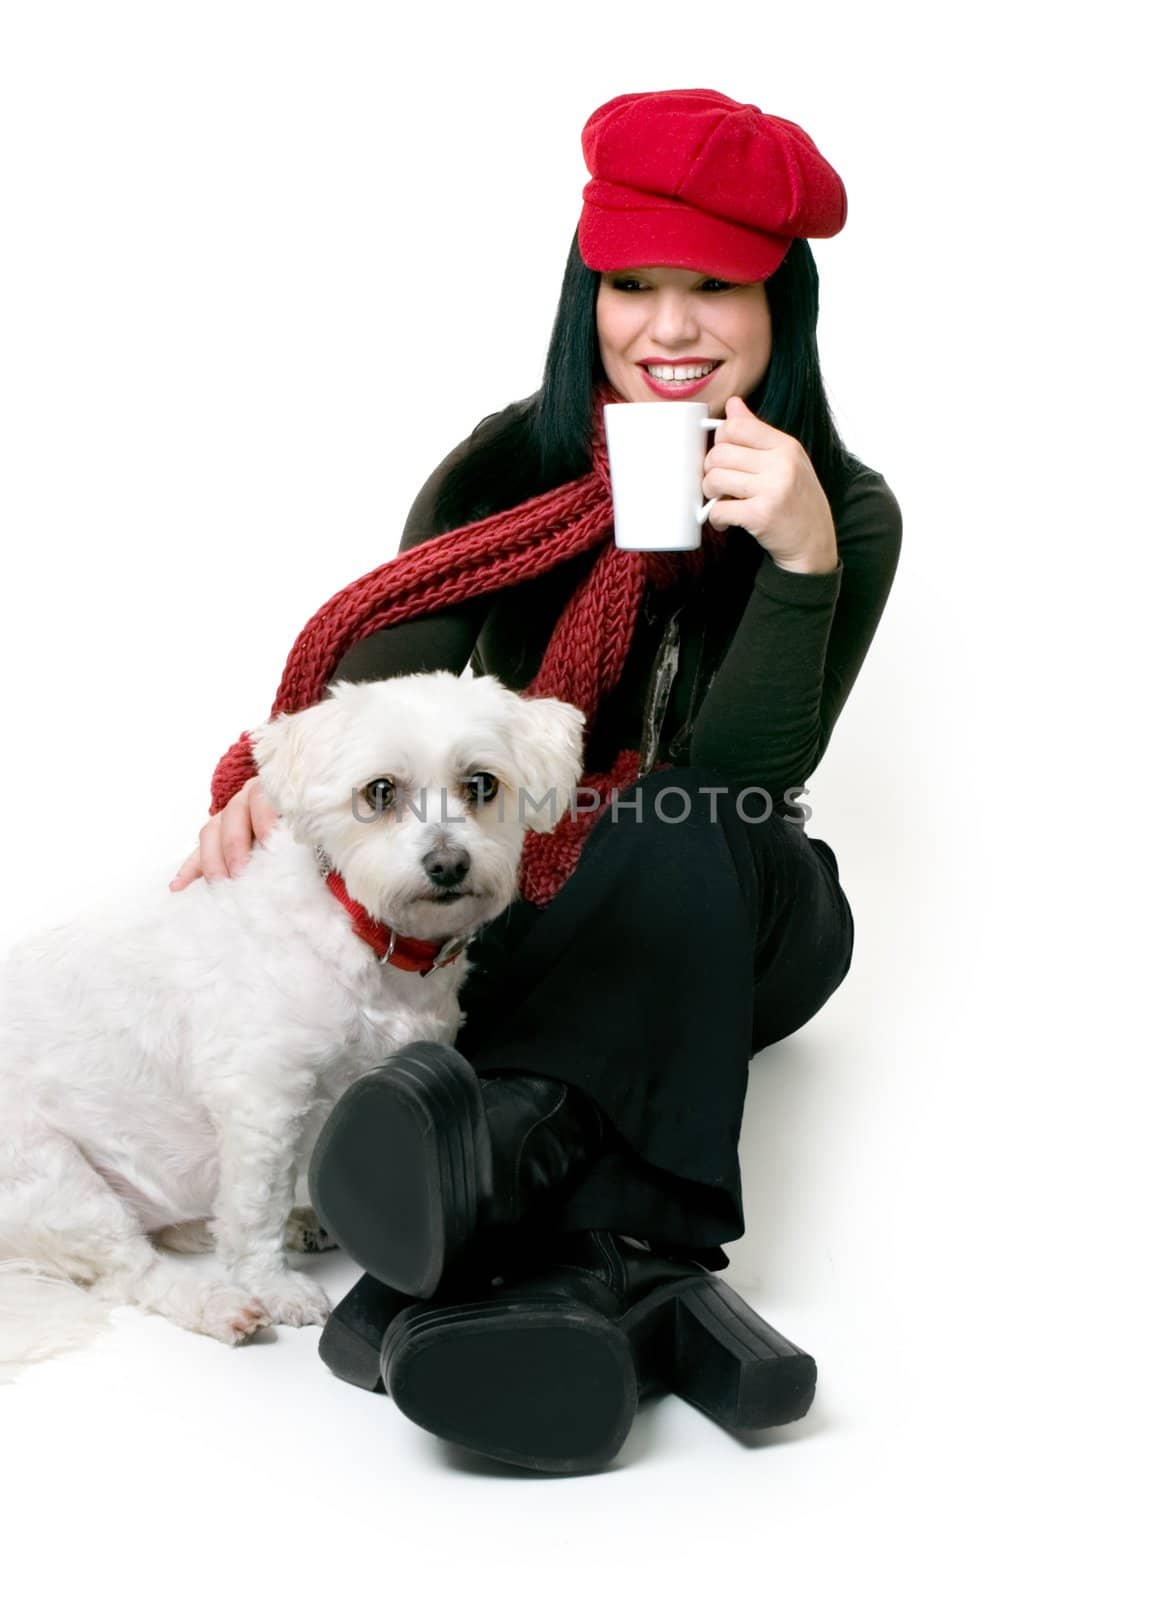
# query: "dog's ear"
[[548, 742], [280, 749]]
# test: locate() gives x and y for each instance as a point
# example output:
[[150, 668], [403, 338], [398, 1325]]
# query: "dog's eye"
[[379, 793], [484, 786]]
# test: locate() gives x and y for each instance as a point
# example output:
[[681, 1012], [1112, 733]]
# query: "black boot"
[[546, 1371], [421, 1152], [350, 1343]]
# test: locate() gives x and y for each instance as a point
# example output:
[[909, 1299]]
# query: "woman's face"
[[651, 317]]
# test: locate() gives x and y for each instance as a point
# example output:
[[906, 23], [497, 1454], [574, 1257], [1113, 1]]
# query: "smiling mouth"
[[679, 371], [443, 897]]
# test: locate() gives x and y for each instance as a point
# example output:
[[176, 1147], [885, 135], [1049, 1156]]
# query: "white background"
[[262, 266]]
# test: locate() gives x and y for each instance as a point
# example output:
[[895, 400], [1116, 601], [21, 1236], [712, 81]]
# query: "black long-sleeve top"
[[767, 656]]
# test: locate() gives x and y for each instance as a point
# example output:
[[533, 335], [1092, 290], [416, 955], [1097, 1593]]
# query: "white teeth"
[[681, 374]]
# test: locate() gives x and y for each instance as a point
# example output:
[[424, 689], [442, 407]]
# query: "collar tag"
[[452, 947]]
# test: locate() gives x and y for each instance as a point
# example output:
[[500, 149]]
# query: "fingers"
[[725, 481], [739, 457], [231, 848], [226, 840], [209, 859], [265, 819], [742, 426], [187, 872]]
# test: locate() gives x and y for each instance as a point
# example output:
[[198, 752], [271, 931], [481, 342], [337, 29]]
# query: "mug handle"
[[705, 511]]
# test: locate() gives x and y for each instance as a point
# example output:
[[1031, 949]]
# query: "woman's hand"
[[227, 838], [771, 490]]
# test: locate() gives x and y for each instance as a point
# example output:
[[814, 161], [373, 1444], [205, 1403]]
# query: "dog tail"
[[42, 1312]]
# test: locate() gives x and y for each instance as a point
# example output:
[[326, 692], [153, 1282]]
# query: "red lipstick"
[[678, 391]]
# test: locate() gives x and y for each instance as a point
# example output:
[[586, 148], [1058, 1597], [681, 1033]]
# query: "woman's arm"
[[444, 639], [773, 703]]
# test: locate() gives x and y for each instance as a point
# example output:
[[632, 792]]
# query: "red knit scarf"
[[583, 659]]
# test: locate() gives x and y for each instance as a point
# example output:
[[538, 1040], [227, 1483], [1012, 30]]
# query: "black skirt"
[[694, 932]]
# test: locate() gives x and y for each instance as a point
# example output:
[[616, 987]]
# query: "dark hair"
[[545, 439]]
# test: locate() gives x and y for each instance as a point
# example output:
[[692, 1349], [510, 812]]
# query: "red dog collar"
[[397, 949]]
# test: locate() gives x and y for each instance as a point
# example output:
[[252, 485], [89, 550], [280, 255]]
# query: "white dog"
[[171, 1063]]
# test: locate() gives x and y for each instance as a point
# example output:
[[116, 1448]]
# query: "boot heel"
[[350, 1343], [734, 1366]]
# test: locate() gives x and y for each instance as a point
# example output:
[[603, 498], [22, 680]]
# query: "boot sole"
[[554, 1385], [546, 1386], [395, 1174], [702, 1342]]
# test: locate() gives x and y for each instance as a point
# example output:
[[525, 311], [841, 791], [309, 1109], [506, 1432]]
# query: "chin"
[[425, 918]]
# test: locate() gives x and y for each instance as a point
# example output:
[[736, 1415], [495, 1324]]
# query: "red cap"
[[690, 178]]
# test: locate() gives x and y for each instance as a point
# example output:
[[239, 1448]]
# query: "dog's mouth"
[[442, 897]]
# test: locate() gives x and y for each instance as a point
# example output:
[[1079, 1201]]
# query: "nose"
[[446, 865], [672, 320]]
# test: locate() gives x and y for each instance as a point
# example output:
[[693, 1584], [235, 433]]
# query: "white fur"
[[166, 1067]]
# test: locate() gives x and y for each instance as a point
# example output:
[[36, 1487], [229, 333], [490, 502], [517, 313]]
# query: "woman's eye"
[[380, 793], [484, 786], [629, 285]]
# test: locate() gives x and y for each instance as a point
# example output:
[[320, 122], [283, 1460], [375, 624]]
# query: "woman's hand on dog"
[[227, 838]]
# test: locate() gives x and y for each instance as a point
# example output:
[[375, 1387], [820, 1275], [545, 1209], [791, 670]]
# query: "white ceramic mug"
[[656, 451]]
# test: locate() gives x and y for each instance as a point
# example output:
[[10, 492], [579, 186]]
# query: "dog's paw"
[[304, 1233], [293, 1300], [231, 1314]]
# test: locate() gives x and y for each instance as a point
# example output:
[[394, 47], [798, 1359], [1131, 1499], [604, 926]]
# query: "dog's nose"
[[446, 866]]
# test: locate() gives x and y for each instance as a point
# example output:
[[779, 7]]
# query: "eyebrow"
[[635, 272]]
